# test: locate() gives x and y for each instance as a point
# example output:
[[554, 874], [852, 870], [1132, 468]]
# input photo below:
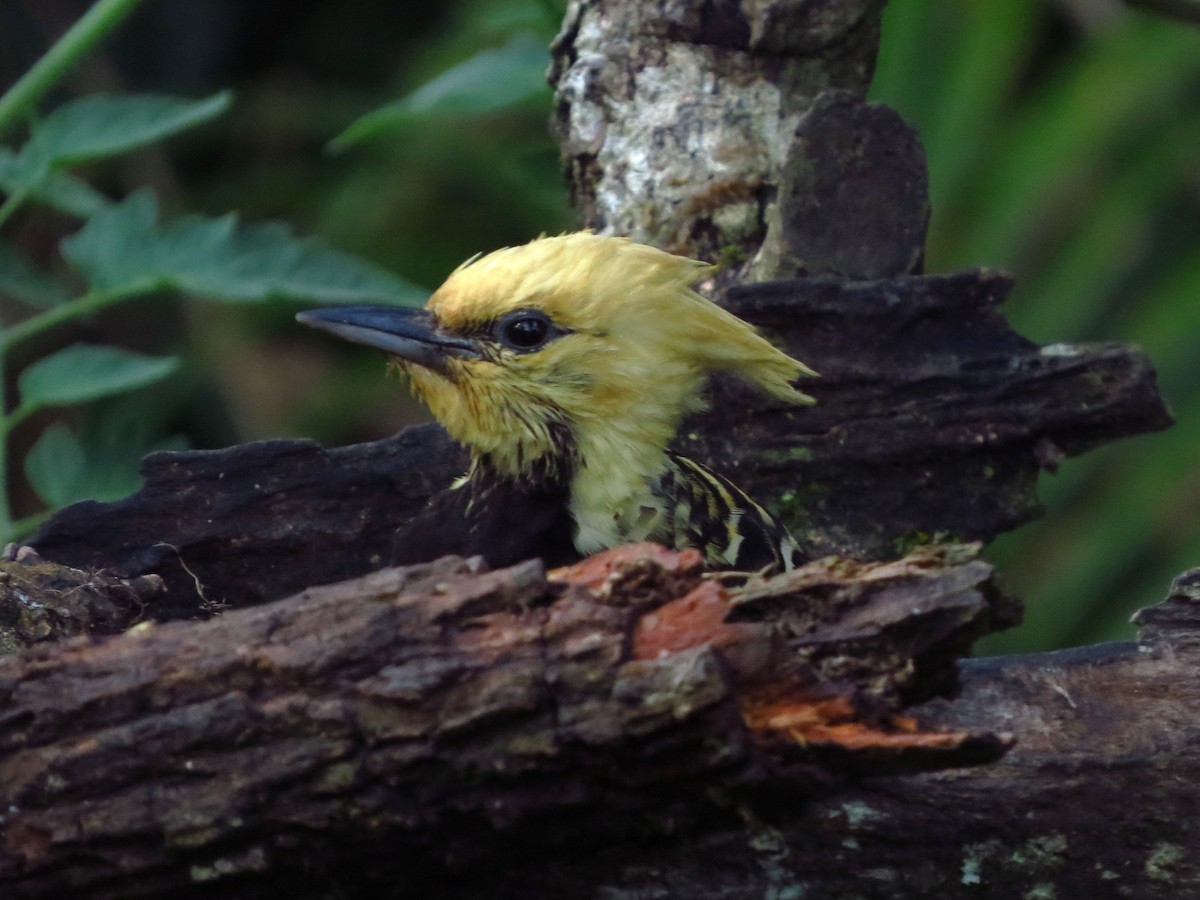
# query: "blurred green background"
[[1063, 142], [1064, 146]]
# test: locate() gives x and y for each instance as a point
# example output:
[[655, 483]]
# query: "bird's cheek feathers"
[[577, 379], [486, 405]]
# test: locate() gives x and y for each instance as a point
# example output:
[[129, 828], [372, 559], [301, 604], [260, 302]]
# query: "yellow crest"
[[632, 343]]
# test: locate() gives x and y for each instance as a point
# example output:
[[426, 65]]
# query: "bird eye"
[[523, 330]]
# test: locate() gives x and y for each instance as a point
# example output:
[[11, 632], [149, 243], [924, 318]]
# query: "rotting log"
[[1097, 797], [420, 726], [933, 420], [627, 725]]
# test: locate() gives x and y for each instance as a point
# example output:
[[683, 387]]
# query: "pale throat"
[[612, 450], [611, 472], [612, 500]]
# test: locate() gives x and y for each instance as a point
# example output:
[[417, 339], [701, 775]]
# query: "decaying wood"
[[626, 724], [933, 420], [41, 601], [1097, 797], [425, 723], [933, 416], [852, 196], [735, 131]]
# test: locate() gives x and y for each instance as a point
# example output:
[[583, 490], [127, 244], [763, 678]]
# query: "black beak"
[[411, 334]]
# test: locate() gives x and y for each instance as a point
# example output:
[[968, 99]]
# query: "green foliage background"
[[1063, 144], [1067, 150]]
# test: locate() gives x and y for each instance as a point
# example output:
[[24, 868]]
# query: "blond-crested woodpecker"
[[566, 366]]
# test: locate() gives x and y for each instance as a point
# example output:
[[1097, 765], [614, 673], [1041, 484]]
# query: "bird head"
[[578, 346]]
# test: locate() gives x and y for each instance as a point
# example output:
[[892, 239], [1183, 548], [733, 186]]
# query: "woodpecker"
[[566, 366]]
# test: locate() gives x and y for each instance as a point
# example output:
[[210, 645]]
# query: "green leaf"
[[118, 433], [124, 250], [55, 465], [490, 80], [70, 195], [84, 372], [100, 464], [985, 61], [21, 281], [103, 125], [57, 189]]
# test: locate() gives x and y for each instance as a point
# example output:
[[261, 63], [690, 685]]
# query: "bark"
[[735, 131], [1097, 797], [427, 723], [852, 197], [676, 118], [627, 725]]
